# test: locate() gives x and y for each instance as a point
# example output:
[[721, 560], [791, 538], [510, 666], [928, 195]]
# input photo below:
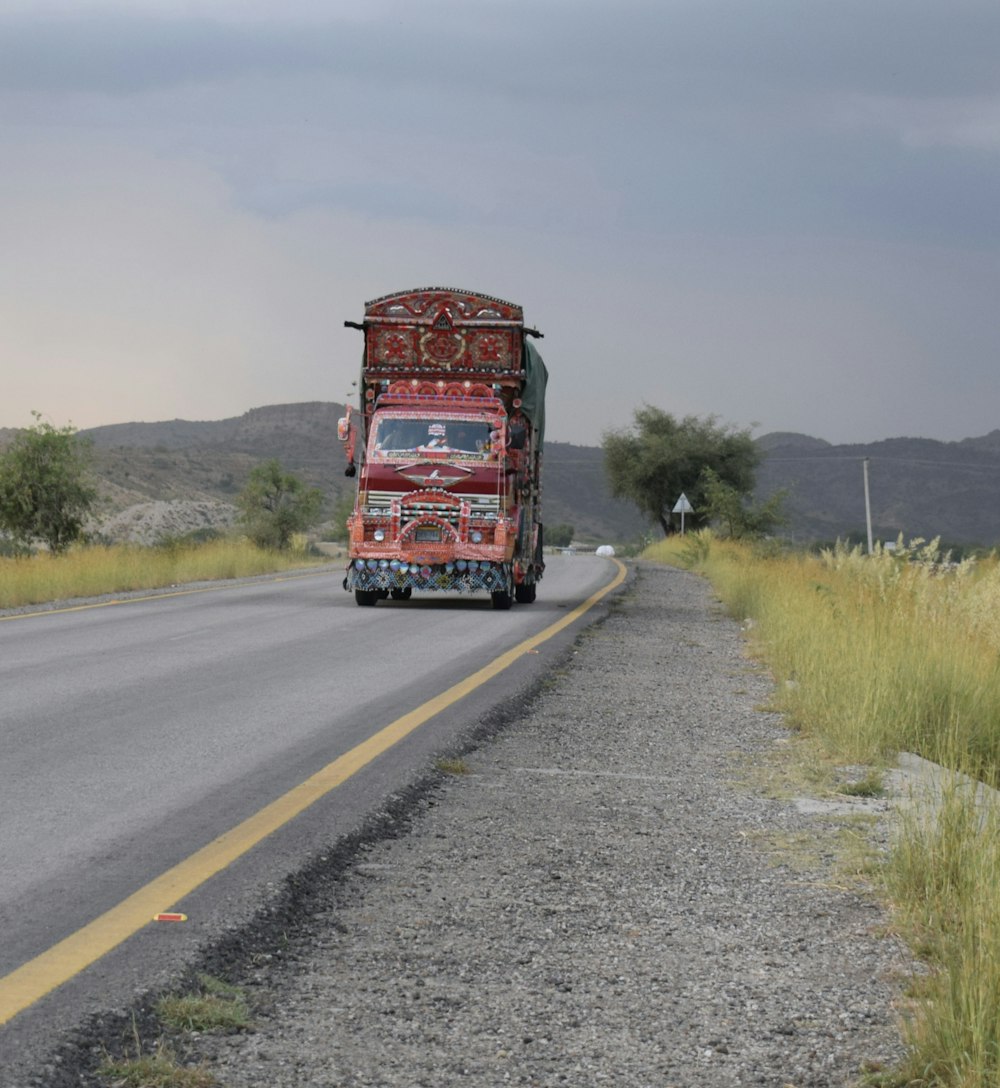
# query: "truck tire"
[[502, 600], [401, 594], [525, 593], [367, 598]]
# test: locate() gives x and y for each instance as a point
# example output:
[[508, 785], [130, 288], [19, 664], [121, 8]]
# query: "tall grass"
[[872, 654], [94, 571], [875, 654], [944, 878]]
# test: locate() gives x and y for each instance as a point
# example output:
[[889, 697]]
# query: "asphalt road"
[[134, 735]]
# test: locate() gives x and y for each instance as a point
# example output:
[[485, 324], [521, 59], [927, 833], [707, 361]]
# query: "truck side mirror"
[[343, 428], [517, 436]]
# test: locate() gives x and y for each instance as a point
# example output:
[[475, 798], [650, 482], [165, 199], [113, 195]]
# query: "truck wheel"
[[366, 597], [501, 600], [524, 593], [504, 598], [401, 594]]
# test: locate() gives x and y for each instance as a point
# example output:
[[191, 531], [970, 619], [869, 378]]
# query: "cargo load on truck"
[[447, 448]]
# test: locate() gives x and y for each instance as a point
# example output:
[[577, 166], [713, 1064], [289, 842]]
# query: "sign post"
[[682, 507], [868, 506]]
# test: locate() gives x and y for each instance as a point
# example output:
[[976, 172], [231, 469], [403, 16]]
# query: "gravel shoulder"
[[599, 901]]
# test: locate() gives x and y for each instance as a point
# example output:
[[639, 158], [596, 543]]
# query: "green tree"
[[559, 536], [45, 487], [275, 504], [733, 515], [657, 459], [343, 507]]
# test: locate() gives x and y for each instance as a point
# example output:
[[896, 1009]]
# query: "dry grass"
[[453, 765], [214, 1006], [158, 1069], [944, 878], [874, 655], [94, 571]]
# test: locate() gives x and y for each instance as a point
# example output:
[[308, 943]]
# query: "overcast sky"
[[783, 213]]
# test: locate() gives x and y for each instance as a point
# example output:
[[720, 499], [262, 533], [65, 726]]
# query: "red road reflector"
[[170, 917]]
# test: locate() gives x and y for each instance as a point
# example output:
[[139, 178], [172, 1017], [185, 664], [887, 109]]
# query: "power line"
[[894, 460]]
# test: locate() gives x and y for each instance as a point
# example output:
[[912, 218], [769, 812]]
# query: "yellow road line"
[[49, 970], [262, 579]]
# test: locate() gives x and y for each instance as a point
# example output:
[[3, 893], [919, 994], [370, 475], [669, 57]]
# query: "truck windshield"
[[394, 435]]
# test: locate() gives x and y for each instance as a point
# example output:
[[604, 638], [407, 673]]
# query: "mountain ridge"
[[918, 486]]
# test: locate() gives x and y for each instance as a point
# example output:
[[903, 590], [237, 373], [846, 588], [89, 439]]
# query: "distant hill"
[[918, 487], [784, 439], [988, 443], [205, 462]]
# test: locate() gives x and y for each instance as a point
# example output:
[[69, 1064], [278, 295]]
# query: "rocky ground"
[[159, 520], [605, 897]]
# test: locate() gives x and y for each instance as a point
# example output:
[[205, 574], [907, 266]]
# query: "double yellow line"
[[49, 970]]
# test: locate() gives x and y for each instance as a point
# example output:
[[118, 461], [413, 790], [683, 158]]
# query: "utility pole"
[[868, 506]]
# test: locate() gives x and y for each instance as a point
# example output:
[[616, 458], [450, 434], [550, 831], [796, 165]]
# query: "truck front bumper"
[[460, 576]]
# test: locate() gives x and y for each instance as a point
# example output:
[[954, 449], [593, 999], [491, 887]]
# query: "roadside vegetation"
[[212, 1005], [275, 505], [873, 655], [46, 490], [209, 1006], [92, 571], [660, 458], [47, 493], [159, 1069]]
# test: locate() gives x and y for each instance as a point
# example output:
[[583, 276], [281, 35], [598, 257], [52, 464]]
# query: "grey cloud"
[[694, 51], [129, 53], [125, 54], [676, 149], [401, 200], [727, 116]]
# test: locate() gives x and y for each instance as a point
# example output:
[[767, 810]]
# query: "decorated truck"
[[447, 449]]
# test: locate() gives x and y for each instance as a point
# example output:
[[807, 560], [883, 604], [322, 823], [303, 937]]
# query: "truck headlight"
[[379, 535], [476, 537]]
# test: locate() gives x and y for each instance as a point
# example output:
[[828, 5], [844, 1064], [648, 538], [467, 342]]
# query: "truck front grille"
[[480, 506]]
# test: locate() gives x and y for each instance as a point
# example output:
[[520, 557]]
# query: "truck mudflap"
[[461, 576]]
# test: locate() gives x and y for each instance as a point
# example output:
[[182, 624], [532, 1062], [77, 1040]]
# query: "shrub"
[[275, 505]]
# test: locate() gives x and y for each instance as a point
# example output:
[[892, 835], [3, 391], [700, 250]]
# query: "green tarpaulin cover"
[[533, 397]]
